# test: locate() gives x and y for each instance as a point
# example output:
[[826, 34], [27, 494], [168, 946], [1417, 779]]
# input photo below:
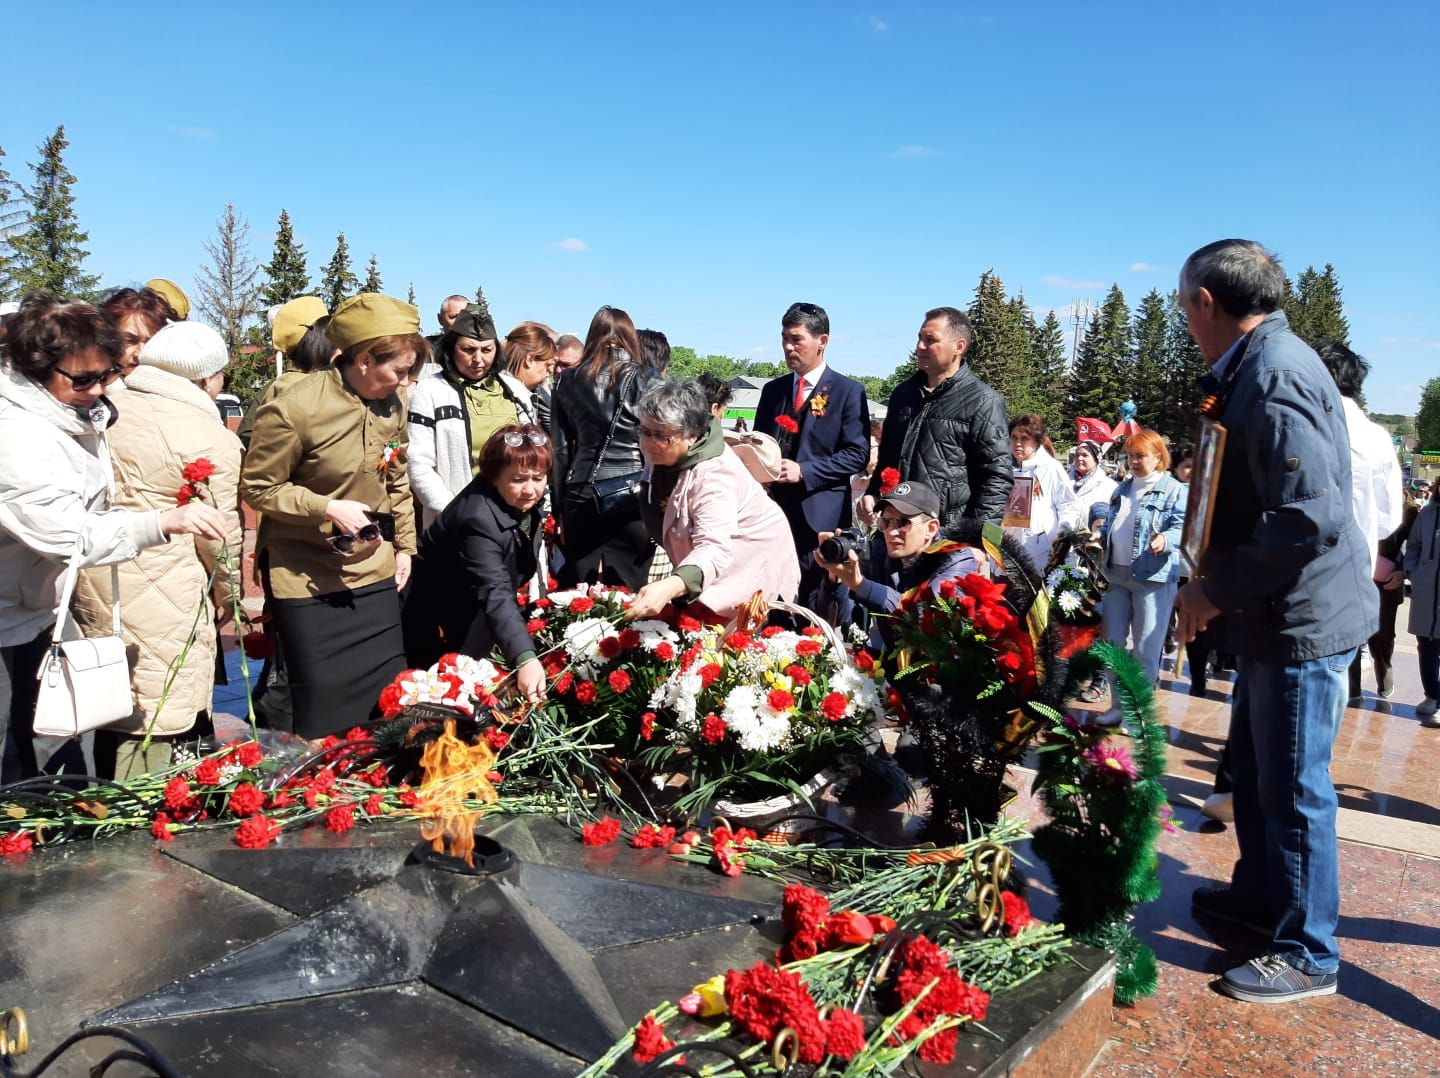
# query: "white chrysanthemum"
[[655, 633], [756, 725], [859, 688], [1068, 602], [780, 648], [1056, 580], [582, 638], [679, 694]]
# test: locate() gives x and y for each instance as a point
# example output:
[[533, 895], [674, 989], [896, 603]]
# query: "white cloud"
[[758, 350], [1412, 342], [878, 24], [571, 243], [1071, 282], [191, 132], [1144, 267], [913, 151]]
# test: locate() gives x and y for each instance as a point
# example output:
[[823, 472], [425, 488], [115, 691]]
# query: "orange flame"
[[454, 774]]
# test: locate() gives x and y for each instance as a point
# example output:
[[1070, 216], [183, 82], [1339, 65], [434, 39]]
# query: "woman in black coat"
[[484, 547], [597, 450]]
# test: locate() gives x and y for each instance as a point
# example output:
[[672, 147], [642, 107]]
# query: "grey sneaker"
[[1427, 707], [1271, 979]]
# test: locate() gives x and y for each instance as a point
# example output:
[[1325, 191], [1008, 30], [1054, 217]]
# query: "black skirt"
[[340, 651], [613, 550]]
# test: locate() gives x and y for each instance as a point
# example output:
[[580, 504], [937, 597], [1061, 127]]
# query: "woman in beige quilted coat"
[[167, 420]]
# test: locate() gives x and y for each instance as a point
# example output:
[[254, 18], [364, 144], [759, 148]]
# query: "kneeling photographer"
[[905, 553]]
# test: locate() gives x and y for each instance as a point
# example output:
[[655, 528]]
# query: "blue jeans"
[[1140, 609], [1282, 727]]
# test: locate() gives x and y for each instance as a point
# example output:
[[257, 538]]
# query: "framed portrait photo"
[[1017, 506], [1204, 481]]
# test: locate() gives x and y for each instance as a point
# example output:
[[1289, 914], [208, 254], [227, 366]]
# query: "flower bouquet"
[[1075, 583]]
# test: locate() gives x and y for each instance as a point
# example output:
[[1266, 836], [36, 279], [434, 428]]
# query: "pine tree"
[[1048, 362], [999, 353], [372, 277], [1314, 308], [410, 294], [1149, 388], [338, 281], [1104, 369], [48, 253], [1427, 422], [12, 220], [227, 293], [1184, 367], [285, 275]]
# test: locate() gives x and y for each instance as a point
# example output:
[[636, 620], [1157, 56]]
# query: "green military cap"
[[173, 293], [475, 321], [369, 315], [293, 319]]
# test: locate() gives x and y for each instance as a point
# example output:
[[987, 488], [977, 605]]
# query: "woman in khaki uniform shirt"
[[326, 470]]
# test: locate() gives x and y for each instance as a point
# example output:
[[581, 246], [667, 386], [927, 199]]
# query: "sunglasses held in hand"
[[382, 526]]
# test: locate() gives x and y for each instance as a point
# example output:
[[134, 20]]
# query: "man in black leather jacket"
[[947, 429]]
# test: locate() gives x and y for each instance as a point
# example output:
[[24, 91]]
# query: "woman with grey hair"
[[725, 537]]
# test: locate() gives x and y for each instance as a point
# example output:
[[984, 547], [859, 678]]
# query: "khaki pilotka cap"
[[370, 315], [173, 293], [294, 319]]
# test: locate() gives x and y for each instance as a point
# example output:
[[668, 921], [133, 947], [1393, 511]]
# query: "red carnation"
[[256, 832], [197, 471], [789, 426], [863, 662], [585, 692], [281, 799], [323, 781], [834, 705], [257, 646], [610, 647], [647, 726], [803, 908], [619, 681], [1017, 913], [650, 1040], [687, 624], [564, 681], [629, 639], [494, 778], [708, 673], [582, 604], [535, 625], [161, 827], [889, 480], [651, 837], [764, 1000], [844, 1033], [948, 588], [177, 793], [780, 700], [375, 805], [665, 651], [808, 649], [713, 729], [15, 843], [798, 674], [496, 738], [185, 495], [249, 754], [770, 631], [246, 800], [738, 641], [208, 773], [606, 831], [409, 799], [340, 819], [390, 700], [550, 527]]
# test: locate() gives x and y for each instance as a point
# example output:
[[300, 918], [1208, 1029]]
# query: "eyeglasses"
[[896, 524], [658, 438], [382, 527], [516, 438], [90, 378]]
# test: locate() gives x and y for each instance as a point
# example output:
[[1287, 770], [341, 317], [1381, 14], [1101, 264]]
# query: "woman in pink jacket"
[[725, 537]]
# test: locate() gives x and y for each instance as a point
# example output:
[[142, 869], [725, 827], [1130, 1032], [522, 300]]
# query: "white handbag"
[[84, 683]]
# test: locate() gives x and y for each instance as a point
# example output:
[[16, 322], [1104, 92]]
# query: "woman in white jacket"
[[454, 411], [1054, 508], [55, 482], [1092, 486]]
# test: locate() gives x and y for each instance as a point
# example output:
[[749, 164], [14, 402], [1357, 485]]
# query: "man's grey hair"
[[1242, 275], [464, 301], [567, 341], [680, 406]]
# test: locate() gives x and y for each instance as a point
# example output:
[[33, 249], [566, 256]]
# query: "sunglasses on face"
[[515, 439], [896, 524], [90, 378], [382, 526]]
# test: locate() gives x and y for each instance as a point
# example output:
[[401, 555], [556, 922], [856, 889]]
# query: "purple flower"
[[1111, 762]]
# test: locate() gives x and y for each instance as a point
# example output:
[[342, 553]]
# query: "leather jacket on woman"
[[581, 412]]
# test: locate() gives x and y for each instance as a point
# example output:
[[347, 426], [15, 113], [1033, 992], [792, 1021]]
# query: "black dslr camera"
[[836, 549]]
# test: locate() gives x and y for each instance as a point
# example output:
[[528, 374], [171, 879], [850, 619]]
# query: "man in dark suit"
[[822, 422]]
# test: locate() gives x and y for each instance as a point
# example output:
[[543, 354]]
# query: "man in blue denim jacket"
[[1286, 579]]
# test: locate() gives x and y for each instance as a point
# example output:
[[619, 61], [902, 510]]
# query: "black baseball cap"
[[913, 499]]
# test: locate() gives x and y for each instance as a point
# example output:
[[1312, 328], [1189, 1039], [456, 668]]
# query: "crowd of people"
[[408, 487]]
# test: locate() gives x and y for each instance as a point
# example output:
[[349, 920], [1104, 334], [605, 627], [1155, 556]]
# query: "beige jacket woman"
[[165, 423]]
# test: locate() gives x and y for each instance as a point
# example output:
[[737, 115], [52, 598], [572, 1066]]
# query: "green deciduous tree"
[[372, 282], [1427, 422], [227, 295], [49, 251], [1104, 370], [686, 364], [286, 275], [897, 377], [1314, 307], [338, 281]]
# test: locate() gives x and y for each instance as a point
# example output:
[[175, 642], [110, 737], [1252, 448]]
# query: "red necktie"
[[799, 394]]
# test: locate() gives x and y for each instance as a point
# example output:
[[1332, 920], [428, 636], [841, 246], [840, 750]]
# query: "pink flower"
[[1112, 762]]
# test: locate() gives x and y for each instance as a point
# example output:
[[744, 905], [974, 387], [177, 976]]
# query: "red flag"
[[1093, 430], [1126, 428]]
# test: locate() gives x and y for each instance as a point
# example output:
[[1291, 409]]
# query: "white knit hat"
[[190, 349]]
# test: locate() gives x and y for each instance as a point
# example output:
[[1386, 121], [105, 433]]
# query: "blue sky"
[[703, 165]]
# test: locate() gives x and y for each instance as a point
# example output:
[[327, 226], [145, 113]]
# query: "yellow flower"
[[712, 997]]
